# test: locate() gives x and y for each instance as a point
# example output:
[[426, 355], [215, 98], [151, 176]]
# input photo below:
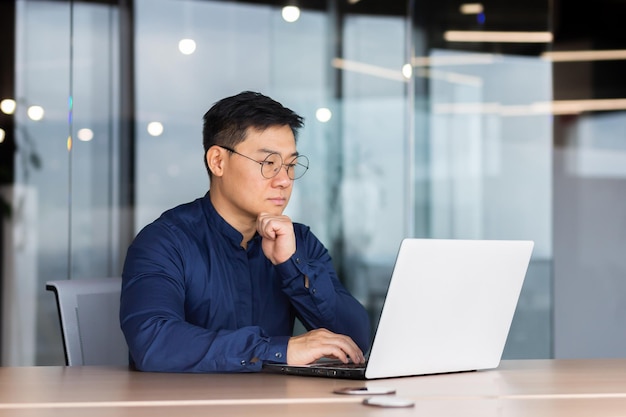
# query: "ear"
[[215, 157]]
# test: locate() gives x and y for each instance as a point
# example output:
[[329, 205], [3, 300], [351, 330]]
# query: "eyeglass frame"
[[262, 163]]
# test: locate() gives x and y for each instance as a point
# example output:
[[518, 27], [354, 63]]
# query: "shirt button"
[[297, 260], [243, 363], [278, 355], [313, 290]]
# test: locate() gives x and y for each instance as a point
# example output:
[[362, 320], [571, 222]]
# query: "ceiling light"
[[187, 46], [155, 128], [8, 106], [557, 107], [471, 8], [368, 69], [579, 106], [291, 13], [498, 37], [323, 114], [569, 56], [457, 59]]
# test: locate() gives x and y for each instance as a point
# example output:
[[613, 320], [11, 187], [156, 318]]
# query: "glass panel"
[[477, 149], [483, 134], [238, 47], [40, 212], [590, 202], [590, 182], [63, 193], [374, 135], [233, 46], [242, 46], [490, 155], [95, 129]]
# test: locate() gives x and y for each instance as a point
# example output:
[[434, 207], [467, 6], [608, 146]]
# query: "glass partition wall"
[[415, 126], [62, 222], [484, 145]]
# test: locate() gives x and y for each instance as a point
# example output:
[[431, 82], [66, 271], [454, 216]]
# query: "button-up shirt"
[[194, 300]]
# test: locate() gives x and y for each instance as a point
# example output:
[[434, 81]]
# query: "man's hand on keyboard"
[[320, 343]]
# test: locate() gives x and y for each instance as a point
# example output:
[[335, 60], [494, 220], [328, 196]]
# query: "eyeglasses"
[[270, 166]]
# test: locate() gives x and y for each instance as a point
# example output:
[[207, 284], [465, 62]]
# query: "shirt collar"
[[218, 223]]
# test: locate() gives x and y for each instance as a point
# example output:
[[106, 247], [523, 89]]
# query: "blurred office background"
[[504, 119]]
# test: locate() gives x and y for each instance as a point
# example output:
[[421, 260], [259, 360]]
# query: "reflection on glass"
[[489, 157], [63, 214], [85, 134], [35, 113], [407, 71], [373, 182]]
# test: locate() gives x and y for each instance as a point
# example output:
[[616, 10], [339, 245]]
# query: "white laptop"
[[449, 308]]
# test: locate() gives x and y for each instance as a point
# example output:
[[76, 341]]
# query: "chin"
[[276, 210]]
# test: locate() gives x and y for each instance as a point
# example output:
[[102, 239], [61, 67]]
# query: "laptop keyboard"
[[341, 365]]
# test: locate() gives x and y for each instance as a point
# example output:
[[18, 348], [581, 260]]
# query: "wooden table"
[[517, 388]]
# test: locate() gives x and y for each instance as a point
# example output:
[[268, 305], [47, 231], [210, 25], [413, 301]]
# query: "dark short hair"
[[227, 122]]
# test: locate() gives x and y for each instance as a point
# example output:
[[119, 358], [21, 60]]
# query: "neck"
[[243, 223]]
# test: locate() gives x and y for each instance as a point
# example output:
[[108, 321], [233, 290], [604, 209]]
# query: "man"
[[215, 285]]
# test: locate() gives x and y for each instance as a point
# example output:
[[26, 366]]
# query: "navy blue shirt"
[[194, 300]]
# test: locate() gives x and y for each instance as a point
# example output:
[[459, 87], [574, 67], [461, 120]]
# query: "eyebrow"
[[266, 150]]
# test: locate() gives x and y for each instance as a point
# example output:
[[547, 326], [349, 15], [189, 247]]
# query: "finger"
[[334, 351], [264, 226], [354, 355], [357, 356], [346, 345], [353, 351]]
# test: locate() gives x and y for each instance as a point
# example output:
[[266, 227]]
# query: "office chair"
[[89, 318]]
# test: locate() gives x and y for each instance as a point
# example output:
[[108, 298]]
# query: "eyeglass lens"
[[274, 162]]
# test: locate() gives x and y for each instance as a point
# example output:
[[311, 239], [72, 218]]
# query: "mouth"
[[278, 201]]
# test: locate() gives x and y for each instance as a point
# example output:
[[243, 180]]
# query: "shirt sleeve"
[[152, 317], [325, 303]]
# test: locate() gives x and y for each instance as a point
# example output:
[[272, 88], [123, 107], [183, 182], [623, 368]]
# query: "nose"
[[282, 178]]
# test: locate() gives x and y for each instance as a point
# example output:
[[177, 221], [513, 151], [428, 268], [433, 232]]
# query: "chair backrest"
[[89, 317]]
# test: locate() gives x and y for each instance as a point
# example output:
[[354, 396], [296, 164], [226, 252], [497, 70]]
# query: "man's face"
[[245, 188]]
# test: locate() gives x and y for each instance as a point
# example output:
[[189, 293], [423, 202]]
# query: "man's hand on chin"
[[279, 239]]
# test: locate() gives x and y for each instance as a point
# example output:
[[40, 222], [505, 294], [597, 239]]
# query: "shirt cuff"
[[277, 349], [292, 267]]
